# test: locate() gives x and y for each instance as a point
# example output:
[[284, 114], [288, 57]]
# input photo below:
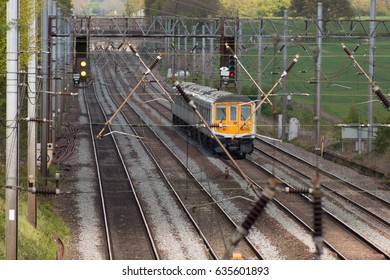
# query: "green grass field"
[[342, 86]]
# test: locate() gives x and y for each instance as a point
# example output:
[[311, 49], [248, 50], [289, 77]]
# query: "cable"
[[375, 89], [148, 71]]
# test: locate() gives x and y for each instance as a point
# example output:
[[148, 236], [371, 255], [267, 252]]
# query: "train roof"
[[211, 94], [233, 97]]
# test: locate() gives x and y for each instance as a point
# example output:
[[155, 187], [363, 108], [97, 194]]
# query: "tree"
[[66, 6], [153, 7], [353, 115], [3, 70], [99, 7], [133, 6], [332, 9], [3, 40], [362, 7], [189, 8], [382, 140], [253, 8]]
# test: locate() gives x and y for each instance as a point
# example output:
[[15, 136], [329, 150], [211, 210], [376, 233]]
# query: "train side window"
[[245, 112], [233, 113], [207, 113], [221, 112]]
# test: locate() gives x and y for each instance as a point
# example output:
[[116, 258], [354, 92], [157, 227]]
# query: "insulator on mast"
[[301, 190], [381, 96], [186, 96], [154, 63], [347, 51]]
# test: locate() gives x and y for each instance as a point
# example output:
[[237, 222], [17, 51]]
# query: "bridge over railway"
[[95, 26]]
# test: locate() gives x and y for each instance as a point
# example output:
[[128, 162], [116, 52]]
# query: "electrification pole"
[[53, 65], [259, 67], [12, 127], [284, 96], [371, 47], [45, 89], [318, 55], [31, 127]]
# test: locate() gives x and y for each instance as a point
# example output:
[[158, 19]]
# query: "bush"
[[382, 140]]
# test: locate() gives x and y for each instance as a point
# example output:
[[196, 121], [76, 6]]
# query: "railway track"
[[371, 198], [240, 196], [189, 192], [380, 205], [373, 247], [65, 146], [301, 209], [372, 230], [152, 106], [127, 232]]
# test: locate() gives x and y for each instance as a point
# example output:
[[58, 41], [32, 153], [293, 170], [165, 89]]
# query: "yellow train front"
[[230, 116]]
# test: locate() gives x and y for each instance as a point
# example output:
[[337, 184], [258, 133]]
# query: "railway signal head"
[[83, 72], [82, 68], [232, 67]]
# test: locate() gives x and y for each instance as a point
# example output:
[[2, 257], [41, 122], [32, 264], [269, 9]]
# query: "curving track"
[[240, 197], [126, 229], [174, 172], [196, 195], [345, 217]]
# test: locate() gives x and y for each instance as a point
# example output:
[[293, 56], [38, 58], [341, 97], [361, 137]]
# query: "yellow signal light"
[[83, 73], [83, 63]]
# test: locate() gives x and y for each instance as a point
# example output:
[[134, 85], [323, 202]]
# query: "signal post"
[[81, 61], [228, 69]]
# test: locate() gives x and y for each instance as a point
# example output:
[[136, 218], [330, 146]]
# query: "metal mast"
[[31, 127], [318, 58], [371, 48], [284, 96], [45, 88], [12, 143]]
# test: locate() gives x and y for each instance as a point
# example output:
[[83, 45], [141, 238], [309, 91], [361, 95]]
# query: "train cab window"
[[221, 112], [245, 112], [233, 113]]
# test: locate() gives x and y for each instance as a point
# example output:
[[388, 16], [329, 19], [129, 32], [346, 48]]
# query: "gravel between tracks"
[[78, 203], [80, 212], [79, 208], [258, 236]]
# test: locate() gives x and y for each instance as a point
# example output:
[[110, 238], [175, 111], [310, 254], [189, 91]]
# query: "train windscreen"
[[245, 112], [233, 113], [221, 112]]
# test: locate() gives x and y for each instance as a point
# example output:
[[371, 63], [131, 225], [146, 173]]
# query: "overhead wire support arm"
[[148, 71], [151, 74], [375, 89], [272, 59], [285, 72], [350, 55], [40, 120]]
